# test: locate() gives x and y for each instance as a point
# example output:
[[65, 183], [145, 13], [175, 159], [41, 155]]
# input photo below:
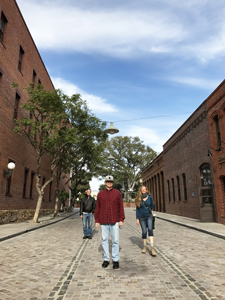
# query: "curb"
[[35, 228], [221, 236]]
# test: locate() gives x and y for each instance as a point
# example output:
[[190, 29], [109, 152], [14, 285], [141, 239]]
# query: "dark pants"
[[146, 223]]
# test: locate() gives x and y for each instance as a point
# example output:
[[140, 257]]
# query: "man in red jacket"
[[109, 215]]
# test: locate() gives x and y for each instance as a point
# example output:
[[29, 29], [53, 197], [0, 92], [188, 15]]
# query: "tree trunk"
[[38, 207], [56, 206], [56, 201]]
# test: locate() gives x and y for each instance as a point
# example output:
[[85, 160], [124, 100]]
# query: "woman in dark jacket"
[[144, 217]]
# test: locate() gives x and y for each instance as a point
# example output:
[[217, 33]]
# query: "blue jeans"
[[146, 223], [87, 224], [114, 230]]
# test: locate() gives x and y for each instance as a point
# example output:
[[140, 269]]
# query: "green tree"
[[87, 164], [130, 157], [89, 135], [59, 124], [43, 127]]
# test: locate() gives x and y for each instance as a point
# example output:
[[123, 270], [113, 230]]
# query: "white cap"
[[108, 178]]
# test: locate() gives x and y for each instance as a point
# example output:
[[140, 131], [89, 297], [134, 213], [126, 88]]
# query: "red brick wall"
[[216, 107], [153, 179], [183, 153], [12, 145]]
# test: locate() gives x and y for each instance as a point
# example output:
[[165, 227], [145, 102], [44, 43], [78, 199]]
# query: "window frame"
[[20, 60], [9, 182], [184, 186], [218, 135], [32, 175], [16, 105], [178, 188], [26, 174], [168, 185], [3, 21]]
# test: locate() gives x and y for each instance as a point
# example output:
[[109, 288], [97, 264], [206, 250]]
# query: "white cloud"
[[115, 32], [189, 29], [149, 136], [197, 82], [95, 103]]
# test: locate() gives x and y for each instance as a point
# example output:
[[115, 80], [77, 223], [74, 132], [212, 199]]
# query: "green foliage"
[[131, 156], [63, 196], [64, 128]]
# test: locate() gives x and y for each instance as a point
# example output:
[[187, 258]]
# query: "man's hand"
[[97, 225], [120, 223], [137, 221], [81, 216]]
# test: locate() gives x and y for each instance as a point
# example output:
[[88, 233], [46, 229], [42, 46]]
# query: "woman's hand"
[[137, 221]]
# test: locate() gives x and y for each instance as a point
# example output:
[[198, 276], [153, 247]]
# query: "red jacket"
[[109, 207]]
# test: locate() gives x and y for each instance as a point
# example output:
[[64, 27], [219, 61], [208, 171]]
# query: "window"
[[26, 171], [16, 106], [168, 184], [34, 77], [1, 73], [20, 59], [173, 190], [8, 183], [184, 185], [50, 191], [3, 22], [217, 131], [31, 184], [206, 184], [178, 188], [39, 81]]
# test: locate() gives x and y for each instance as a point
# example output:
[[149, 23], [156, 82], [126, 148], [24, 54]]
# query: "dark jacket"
[[143, 211], [87, 205]]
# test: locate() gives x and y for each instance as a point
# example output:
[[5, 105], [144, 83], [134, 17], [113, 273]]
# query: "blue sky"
[[153, 59]]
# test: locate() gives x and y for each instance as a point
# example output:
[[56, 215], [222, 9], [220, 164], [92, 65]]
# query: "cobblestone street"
[[54, 262]]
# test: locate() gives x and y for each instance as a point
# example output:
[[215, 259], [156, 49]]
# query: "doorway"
[[206, 194]]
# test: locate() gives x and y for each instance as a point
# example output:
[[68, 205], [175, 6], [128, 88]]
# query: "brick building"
[[189, 175], [20, 62], [153, 178], [216, 116]]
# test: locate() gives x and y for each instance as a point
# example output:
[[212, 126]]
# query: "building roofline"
[[216, 89]]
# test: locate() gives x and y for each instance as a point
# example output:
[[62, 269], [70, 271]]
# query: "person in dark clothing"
[[109, 215], [144, 205], [87, 209]]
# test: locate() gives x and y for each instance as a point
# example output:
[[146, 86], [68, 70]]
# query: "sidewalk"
[[214, 229], [8, 231], [11, 230]]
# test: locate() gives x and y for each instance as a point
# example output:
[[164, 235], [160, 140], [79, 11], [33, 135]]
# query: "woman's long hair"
[[138, 198]]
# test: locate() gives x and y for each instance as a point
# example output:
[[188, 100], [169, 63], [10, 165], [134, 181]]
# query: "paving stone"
[[56, 259]]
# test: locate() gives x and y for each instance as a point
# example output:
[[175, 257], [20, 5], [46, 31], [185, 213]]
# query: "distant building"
[[188, 177], [20, 62]]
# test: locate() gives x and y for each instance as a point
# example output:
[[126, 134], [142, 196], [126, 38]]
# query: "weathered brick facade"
[[20, 62], [194, 183], [216, 115], [153, 179]]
